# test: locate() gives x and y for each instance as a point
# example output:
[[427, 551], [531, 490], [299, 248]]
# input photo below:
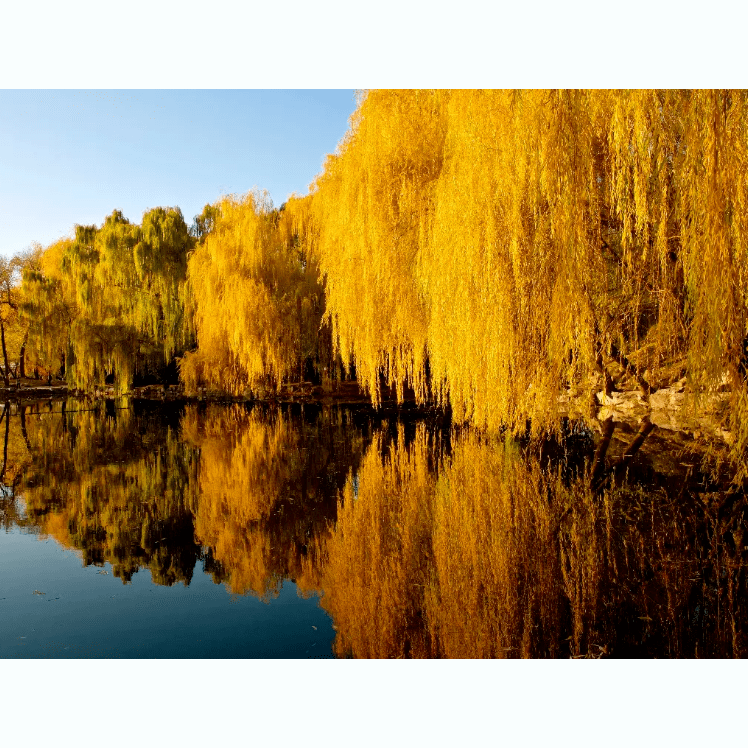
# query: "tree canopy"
[[506, 245], [255, 297], [110, 301]]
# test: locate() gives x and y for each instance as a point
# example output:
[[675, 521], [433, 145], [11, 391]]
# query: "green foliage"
[[206, 221], [111, 300]]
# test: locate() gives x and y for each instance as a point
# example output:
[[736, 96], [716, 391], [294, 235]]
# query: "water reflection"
[[496, 555], [268, 483], [420, 543], [117, 487]]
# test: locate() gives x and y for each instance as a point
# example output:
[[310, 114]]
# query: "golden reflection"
[[494, 554], [267, 482], [244, 489], [494, 559], [377, 560], [117, 488], [421, 544]]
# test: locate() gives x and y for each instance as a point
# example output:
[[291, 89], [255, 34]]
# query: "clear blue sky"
[[70, 157]]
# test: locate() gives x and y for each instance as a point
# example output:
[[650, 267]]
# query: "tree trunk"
[[6, 371], [598, 463], [301, 338], [22, 357], [644, 430], [6, 415]]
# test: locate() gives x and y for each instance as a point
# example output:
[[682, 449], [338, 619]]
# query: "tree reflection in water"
[[494, 554], [119, 487], [242, 489], [268, 483], [421, 543]]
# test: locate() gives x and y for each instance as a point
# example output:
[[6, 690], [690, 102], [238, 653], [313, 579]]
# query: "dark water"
[[145, 530]]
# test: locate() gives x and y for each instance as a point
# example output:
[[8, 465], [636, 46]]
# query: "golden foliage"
[[489, 249], [515, 240], [255, 297], [370, 207], [48, 306]]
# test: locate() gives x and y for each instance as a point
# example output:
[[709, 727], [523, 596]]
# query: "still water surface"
[[148, 530]]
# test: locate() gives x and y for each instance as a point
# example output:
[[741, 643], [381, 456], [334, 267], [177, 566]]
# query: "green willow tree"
[[110, 302]]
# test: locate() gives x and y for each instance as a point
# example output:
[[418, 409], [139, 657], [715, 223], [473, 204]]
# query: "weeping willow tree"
[[49, 308], [369, 209], [255, 298], [493, 249], [110, 302]]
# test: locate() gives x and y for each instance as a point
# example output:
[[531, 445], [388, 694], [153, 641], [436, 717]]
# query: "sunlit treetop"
[[255, 298]]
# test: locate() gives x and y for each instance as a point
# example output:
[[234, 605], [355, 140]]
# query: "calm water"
[[231, 531]]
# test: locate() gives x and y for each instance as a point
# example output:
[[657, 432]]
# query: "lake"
[[149, 530]]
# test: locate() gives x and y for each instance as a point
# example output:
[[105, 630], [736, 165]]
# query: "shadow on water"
[[421, 541]]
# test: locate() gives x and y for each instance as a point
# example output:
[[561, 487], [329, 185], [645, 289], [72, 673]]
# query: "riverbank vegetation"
[[503, 253]]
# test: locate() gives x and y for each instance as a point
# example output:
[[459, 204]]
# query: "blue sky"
[[72, 157]]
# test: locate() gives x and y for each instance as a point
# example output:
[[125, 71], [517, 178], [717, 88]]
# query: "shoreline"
[[670, 409]]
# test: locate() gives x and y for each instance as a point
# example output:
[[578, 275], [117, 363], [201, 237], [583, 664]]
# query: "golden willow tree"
[[47, 305], [500, 247], [111, 300], [368, 210], [255, 298]]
